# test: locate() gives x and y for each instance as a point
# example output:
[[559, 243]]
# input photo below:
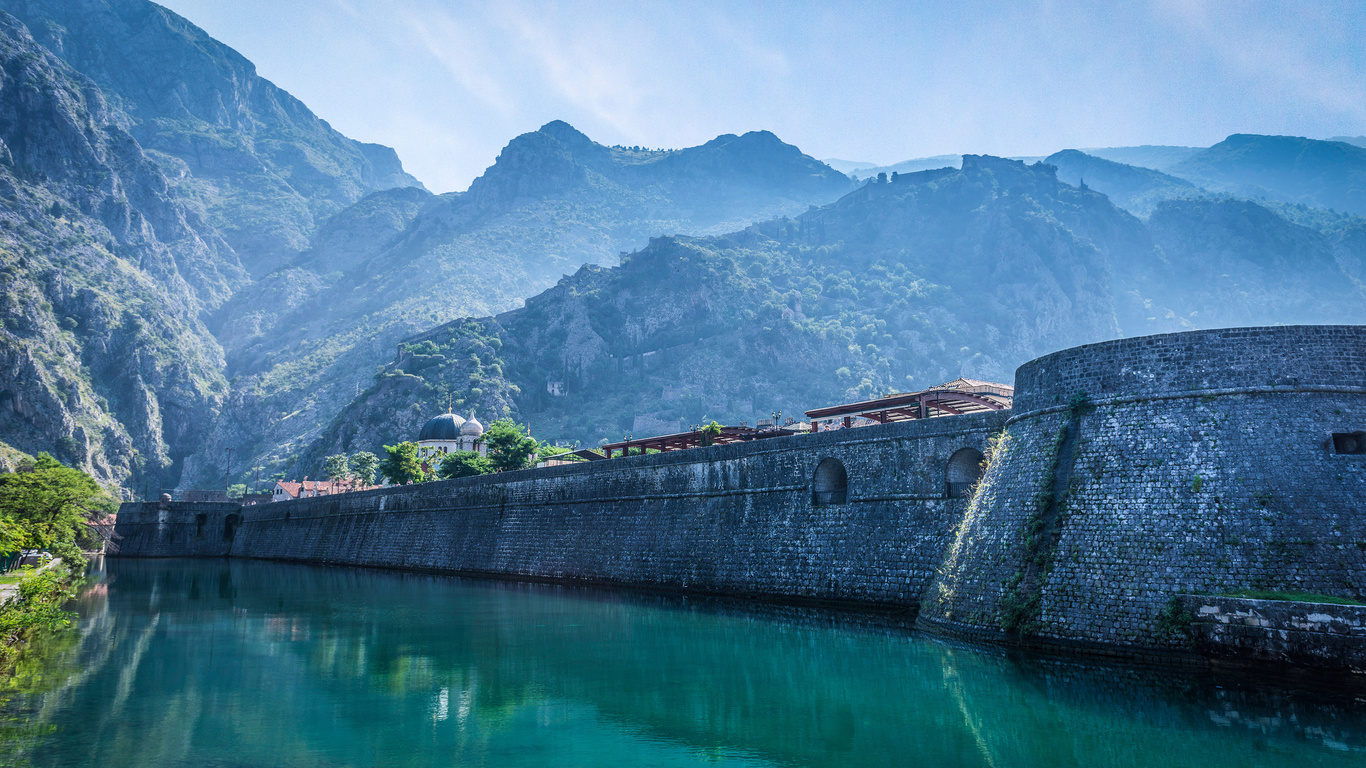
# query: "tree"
[[337, 467], [237, 490], [366, 466], [402, 464], [49, 506], [546, 450], [464, 464], [510, 447], [710, 432]]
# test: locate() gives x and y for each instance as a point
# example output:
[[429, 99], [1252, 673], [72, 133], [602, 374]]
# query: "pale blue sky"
[[449, 83]]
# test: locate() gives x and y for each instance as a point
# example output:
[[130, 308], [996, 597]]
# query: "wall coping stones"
[[1201, 393], [1184, 363]]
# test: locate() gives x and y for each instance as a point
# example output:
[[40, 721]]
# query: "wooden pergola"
[[697, 439], [955, 398]]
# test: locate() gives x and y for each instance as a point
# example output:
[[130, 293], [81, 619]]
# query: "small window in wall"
[[199, 521], [1351, 443], [962, 473], [830, 484]]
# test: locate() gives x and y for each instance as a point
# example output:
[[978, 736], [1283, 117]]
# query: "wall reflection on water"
[[261, 664]]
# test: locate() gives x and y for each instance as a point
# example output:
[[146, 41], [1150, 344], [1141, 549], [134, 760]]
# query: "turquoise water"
[[218, 663]]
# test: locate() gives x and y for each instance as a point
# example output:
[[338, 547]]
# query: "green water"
[[217, 663]]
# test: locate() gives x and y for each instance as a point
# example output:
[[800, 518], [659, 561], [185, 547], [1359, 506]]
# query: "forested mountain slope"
[[1292, 169], [194, 262], [309, 336], [896, 286]]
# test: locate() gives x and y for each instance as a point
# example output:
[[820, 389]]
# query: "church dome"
[[447, 426], [472, 428]]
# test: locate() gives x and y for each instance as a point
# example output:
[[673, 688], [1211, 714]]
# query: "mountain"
[[847, 166], [310, 335], [265, 170], [1359, 141], [1137, 190], [1155, 156], [1233, 262], [894, 287], [1324, 174], [104, 359], [146, 172], [913, 165]]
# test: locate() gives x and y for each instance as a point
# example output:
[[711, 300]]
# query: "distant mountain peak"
[[568, 135]]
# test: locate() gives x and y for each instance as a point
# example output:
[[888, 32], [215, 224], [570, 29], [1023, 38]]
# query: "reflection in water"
[[231, 663]]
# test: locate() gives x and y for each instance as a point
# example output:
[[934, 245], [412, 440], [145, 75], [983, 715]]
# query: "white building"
[[448, 433]]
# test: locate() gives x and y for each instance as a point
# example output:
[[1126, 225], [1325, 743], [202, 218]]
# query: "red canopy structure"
[[696, 439], [955, 398]]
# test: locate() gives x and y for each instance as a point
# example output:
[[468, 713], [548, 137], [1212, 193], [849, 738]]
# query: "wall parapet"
[[1176, 363]]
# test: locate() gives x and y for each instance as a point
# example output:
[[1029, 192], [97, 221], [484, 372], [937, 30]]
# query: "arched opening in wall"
[[199, 521], [830, 484], [1349, 443], [962, 473], [230, 526]]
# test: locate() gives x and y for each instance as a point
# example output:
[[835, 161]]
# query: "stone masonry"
[[735, 519], [1130, 473], [1136, 470]]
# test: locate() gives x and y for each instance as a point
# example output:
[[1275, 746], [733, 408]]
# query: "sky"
[[449, 83]]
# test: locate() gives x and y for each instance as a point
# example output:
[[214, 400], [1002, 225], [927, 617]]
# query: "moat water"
[[236, 663]]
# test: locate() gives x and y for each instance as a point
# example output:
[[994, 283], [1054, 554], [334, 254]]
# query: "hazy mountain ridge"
[[1135, 189], [1293, 169], [301, 346], [144, 164], [1150, 156], [115, 254], [895, 286]]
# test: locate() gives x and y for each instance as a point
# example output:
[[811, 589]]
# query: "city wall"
[[738, 519], [1197, 463], [1130, 476]]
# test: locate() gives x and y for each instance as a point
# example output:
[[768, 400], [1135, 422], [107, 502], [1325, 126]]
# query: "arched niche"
[[962, 473], [830, 483]]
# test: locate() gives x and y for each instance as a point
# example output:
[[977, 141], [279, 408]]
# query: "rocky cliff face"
[[103, 358], [265, 170]]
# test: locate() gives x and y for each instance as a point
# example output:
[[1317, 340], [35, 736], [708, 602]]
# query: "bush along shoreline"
[[47, 507], [36, 609]]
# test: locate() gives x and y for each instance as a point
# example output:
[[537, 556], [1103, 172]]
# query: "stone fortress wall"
[[1129, 472], [738, 519], [1198, 463]]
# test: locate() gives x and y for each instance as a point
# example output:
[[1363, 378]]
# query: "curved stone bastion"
[[1136, 483], [1134, 471]]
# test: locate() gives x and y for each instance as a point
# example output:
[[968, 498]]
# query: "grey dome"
[[444, 427], [472, 427]]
